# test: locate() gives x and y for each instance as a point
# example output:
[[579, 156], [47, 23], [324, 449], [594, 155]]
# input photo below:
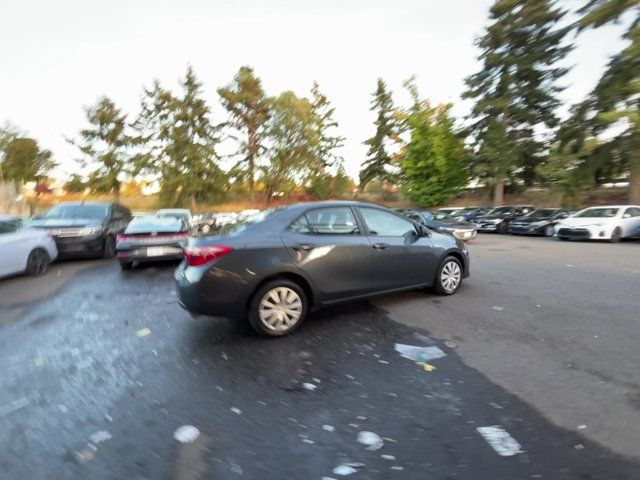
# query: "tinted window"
[[502, 211], [415, 217], [385, 224], [326, 221], [634, 212], [8, 227]]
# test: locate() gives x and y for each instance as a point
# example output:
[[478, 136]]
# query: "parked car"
[[24, 249], [498, 219], [612, 223], [538, 222], [302, 257], [204, 222], [150, 239], [469, 214], [183, 214], [441, 222], [84, 229], [226, 218], [451, 210]]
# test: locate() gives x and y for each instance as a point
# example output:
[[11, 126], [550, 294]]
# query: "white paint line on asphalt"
[[13, 406], [500, 440]]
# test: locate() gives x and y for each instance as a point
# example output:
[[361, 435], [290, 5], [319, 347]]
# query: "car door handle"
[[380, 246], [303, 247]]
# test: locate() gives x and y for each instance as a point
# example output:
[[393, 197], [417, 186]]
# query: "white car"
[[611, 222], [181, 213], [226, 218], [23, 249]]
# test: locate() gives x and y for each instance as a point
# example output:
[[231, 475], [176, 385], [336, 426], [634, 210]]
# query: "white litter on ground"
[[397, 467], [372, 440], [328, 428], [99, 437], [236, 410], [388, 457], [186, 434], [500, 440], [309, 386], [419, 354], [344, 470], [497, 308]]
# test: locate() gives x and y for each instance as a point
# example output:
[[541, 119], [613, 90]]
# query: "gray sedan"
[[306, 256]]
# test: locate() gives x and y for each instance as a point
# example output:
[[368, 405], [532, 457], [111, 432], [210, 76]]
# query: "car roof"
[[85, 203], [334, 203], [612, 206]]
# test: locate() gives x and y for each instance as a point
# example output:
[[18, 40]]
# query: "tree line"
[[512, 139]]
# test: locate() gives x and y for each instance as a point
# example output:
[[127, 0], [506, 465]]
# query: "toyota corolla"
[[306, 256]]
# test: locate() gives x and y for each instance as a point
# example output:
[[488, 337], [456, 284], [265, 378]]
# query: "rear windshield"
[[598, 213], [155, 224], [97, 212]]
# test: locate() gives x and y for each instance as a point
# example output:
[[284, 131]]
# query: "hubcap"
[[280, 309], [450, 276]]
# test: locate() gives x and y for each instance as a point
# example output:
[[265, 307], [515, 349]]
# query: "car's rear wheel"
[[109, 249], [503, 227], [278, 308], [449, 276], [38, 262], [549, 231], [564, 239], [616, 235]]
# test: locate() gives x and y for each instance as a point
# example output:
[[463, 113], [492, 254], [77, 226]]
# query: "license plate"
[[155, 251]]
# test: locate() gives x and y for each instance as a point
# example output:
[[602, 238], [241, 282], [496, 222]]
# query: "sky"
[[58, 56]]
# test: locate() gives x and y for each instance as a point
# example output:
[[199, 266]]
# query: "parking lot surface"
[[101, 368]]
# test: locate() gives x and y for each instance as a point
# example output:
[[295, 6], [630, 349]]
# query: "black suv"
[[498, 219], [84, 229]]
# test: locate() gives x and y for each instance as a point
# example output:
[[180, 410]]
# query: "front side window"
[[326, 221], [8, 227], [385, 224], [633, 211]]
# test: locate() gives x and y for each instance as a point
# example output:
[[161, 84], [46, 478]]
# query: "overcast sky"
[[58, 56]]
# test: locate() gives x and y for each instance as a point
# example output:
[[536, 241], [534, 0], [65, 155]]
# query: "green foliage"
[[75, 184], [324, 124], [24, 160], [435, 160], [177, 142], [248, 107], [515, 92], [379, 164], [105, 145], [293, 142], [7, 134]]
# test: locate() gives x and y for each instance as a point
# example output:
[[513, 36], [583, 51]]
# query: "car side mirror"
[[424, 231]]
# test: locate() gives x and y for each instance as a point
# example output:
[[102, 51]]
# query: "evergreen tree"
[[379, 164], [325, 125], [293, 142], [178, 144], [616, 97], [515, 92], [434, 160], [105, 145], [248, 107]]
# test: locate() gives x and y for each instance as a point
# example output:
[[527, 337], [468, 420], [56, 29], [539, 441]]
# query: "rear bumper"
[[210, 291], [150, 254]]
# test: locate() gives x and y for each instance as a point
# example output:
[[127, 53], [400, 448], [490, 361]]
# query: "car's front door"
[[631, 222], [12, 258], [402, 257], [329, 247]]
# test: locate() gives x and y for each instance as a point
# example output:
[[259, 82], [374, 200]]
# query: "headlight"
[[495, 221]]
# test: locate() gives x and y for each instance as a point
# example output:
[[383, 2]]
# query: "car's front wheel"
[[38, 262], [109, 249], [616, 235], [449, 276], [548, 231], [126, 265], [278, 308]]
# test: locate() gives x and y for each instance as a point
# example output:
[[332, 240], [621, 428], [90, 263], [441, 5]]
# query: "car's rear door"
[[402, 258], [328, 245]]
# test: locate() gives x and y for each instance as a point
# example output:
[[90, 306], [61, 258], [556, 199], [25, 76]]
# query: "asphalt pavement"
[[101, 369]]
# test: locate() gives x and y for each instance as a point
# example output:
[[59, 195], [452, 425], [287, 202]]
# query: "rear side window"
[[8, 227], [326, 221], [634, 212], [386, 224]]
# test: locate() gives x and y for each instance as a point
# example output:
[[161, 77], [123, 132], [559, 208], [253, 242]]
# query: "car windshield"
[[155, 224], [542, 213], [441, 215], [97, 212], [598, 213]]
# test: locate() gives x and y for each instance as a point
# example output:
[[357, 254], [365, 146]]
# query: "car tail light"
[[196, 256]]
